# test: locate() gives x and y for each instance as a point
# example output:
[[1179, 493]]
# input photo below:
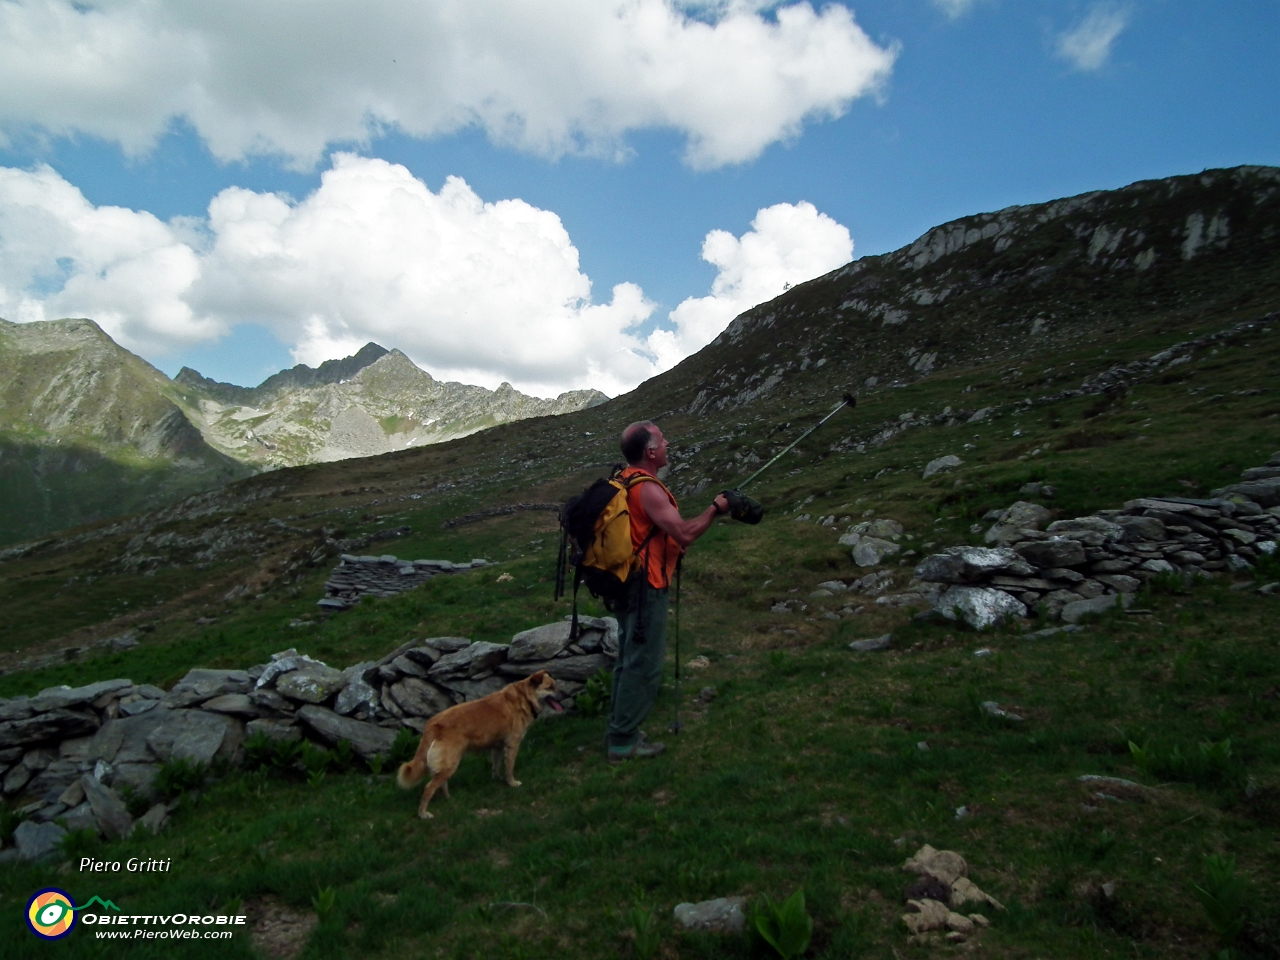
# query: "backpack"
[[595, 538]]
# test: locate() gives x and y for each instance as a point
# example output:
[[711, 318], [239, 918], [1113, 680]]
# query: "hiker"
[[660, 535]]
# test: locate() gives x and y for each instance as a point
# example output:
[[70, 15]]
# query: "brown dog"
[[497, 722]]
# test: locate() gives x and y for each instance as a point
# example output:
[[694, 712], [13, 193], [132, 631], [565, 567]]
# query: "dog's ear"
[[537, 678]]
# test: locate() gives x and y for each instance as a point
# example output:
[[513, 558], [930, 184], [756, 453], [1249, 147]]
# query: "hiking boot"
[[637, 751]]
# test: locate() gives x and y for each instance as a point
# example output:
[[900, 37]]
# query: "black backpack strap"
[[575, 628]]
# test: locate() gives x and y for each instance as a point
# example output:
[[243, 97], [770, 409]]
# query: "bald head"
[[636, 439]]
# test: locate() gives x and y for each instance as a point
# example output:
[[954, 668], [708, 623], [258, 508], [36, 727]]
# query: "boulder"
[[56, 724], [418, 698], [196, 736], [423, 655], [1055, 552], [1142, 528], [964, 890], [124, 740], [54, 778], [407, 666], [1091, 531], [539, 643], [1156, 566], [139, 776], [469, 689], [312, 683], [36, 841], [273, 729], [447, 644], [60, 698], [19, 708], [873, 644], [238, 704], [1075, 611], [1020, 516], [1119, 582], [871, 550], [979, 607], [204, 684], [926, 915], [155, 818], [108, 809], [940, 465], [367, 739], [944, 865], [725, 915], [356, 694], [562, 668], [472, 659], [971, 565], [1265, 493]]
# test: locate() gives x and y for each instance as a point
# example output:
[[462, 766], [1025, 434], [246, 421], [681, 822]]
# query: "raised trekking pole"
[[849, 400]]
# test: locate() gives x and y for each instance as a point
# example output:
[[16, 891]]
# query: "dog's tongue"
[[555, 705]]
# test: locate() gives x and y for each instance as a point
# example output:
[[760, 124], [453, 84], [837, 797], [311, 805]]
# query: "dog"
[[497, 723]]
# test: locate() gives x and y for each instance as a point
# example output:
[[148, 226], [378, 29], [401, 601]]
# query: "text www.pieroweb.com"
[[173, 927]]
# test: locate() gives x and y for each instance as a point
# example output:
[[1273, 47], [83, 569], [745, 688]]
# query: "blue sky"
[[960, 107]]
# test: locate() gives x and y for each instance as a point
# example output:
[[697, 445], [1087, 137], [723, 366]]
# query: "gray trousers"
[[637, 675]]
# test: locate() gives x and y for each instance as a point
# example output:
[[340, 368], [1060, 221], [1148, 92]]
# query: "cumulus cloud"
[[1087, 46], [569, 76], [787, 244]]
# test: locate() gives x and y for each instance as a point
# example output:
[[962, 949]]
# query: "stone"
[[819, 594], [971, 565], [137, 707], [73, 796], [1156, 566], [883, 528], [540, 643], [37, 759], [55, 724], [124, 740], [725, 915], [941, 465], [447, 644], [979, 607], [1265, 493], [155, 818], [1119, 582], [36, 841], [1075, 611], [16, 779], [1089, 589], [964, 890], [60, 698], [469, 689], [108, 809], [1113, 566], [564, 668], [273, 729], [926, 915], [238, 704], [139, 776], [19, 708], [314, 683], [204, 684], [871, 550], [269, 701], [1142, 528], [945, 865], [1020, 516], [406, 666], [424, 656], [873, 644], [1260, 473], [475, 658], [418, 698], [357, 694], [367, 739], [993, 709], [54, 778], [1091, 531], [196, 736], [1054, 552], [835, 586]]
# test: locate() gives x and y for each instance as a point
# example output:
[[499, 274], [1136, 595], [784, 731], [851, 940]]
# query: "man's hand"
[[742, 507]]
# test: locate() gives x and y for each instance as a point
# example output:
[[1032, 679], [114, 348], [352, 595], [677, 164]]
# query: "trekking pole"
[[676, 724], [849, 400]]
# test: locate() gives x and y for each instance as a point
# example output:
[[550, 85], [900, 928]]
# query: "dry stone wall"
[[70, 757], [385, 576]]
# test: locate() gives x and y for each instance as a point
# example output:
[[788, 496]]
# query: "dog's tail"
[[411, 772]]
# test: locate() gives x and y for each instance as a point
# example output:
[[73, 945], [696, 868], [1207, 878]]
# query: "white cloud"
[[954, 8], [1088, 45], [551, 78], [787, 244]]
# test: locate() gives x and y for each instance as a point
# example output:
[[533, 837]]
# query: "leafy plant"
[[591, 701], [405, 746], [315, 760], [259, 750], [323, 903], [647, 936], [137, 802], [1208, 764], [1224, 897], [287, 754], [178, 776], [343, 754], [376, 763], [315, 778], [77, 843], [787, 928]]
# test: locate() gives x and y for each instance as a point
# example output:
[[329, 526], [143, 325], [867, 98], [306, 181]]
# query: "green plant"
[[323, 903], [9, 820], [644, 926], [1224, 897], [137, 802], [259, 750], [343, 754], [593, 697], [786, 928], [315, 760], [287, 753], [77, 843], [315, 777], [178, 776], [376, 764], [1209, 764], [405, 746]]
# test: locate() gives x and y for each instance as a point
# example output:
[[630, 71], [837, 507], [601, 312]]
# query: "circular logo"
[[51, 914]]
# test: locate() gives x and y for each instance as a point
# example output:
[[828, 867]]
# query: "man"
[[659, 535]]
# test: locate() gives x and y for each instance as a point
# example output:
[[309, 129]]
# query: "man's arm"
[[667, 518]]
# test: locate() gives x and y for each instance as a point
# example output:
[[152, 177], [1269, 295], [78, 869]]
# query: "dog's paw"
[[513, 783], [426, 815]]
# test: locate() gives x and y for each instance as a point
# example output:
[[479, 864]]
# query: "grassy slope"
[[805, 769]]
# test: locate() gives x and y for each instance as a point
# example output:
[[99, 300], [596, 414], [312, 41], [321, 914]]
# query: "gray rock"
[[19, 708], [1119, 582], [1091, 531], [54, 778], [725, 915], [154, 819], [17, 778], [563, 668], [367, 739], [204, 684], [124, 740], [1089, 589], [237, 704], [980, 607], [1260, 473], [835, 586], [423, 655], [36, 841], [73, 796], [108, 809], [273, 729], [1156, 566], [940, 465], [539, 643], [269, 701], [873, 644], [356, 694], [820, 593], [139, 776], [56, 724], [1017, 518], [469, 689], [475, 658], [138, 706], [418, 698], [60, 698], [314, 683], [971, 565], [993, 709], [196, 736], [1055, 552], [1077, 610], [1265, 493], [1142, 528], [286, 661], [447, 644], [871, 550], [80, 817], [1114, 566], [406, 666]]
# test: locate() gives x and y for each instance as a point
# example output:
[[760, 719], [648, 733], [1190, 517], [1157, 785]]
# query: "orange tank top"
[[658, 553]]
